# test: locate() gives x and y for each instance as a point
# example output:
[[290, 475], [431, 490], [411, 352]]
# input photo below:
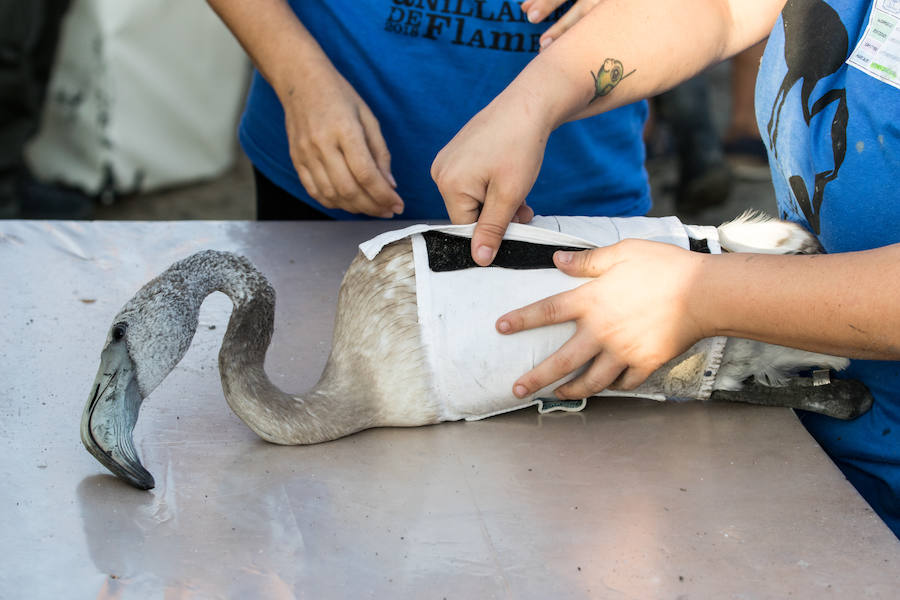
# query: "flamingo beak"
[[110, 415]]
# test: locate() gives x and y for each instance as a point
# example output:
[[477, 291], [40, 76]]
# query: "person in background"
[[352, 100], [743, 147], [827, 109], [704, 177]]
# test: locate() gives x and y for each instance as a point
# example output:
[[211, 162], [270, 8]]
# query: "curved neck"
[[317, 416]]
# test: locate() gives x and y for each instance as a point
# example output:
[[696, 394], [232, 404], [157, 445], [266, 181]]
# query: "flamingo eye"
[[118, 331]]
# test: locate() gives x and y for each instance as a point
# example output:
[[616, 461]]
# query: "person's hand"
[[488, 168], [336, 144], [538, 10], [630, 320]]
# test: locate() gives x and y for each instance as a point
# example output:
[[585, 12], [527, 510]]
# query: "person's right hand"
[[637, 312], [336, 144]]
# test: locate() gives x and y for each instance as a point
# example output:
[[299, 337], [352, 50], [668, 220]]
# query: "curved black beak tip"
[[142, 480]]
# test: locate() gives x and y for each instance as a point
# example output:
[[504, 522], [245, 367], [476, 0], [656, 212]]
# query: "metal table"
[[629, 499]]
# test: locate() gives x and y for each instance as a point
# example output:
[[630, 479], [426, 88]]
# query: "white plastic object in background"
[[143, 95]]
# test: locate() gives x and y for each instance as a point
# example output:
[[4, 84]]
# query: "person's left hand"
[[485, 172], [632, 318], [538, 10]]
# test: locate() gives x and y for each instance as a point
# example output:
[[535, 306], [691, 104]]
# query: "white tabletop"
[[629, 499]]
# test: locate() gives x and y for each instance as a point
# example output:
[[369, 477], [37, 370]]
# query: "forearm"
[[841, 304], [658, 44], [274, 38]]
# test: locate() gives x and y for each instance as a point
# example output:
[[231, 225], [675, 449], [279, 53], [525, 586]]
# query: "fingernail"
[[546, 41], [503, 326], [564, 257], [484, 255], [533, 16], [520, 390], [398, 208], [391, 179], [387, 215]]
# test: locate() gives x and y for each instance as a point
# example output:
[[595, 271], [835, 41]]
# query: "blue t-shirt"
[[425, 67], [833, 133]]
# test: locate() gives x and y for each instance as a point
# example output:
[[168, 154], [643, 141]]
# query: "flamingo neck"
[[319, 415]]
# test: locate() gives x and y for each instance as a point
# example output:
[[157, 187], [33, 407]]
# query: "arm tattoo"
[[608, 76]]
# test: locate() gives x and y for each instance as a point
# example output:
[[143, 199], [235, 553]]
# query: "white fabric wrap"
[[473, 367]]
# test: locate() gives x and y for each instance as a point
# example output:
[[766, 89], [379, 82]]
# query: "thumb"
[[584, 263], [495, 217]]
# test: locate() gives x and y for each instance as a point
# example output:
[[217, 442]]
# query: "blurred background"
[[129, 110]]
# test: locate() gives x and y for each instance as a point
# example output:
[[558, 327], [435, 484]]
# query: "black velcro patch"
[[448, 252], [699, 245]]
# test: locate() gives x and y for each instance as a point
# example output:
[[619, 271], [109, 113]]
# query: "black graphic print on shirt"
[[815, 46], [488, 25]]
